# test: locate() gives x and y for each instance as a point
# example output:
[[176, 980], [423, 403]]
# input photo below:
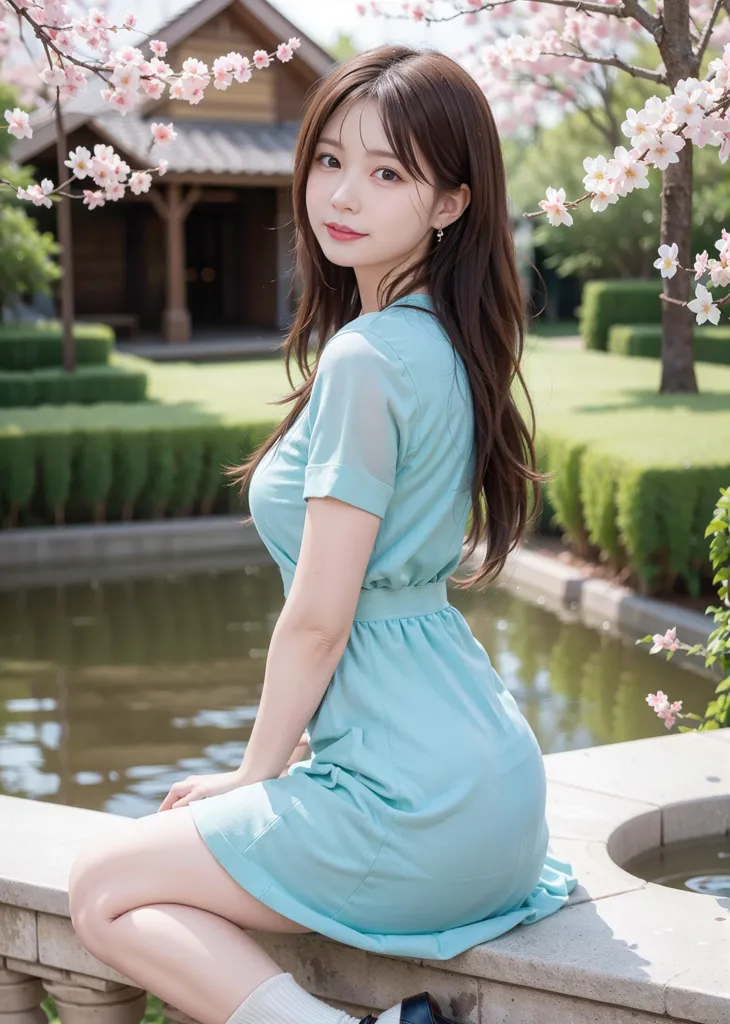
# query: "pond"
[[697, 865], [112, 690]]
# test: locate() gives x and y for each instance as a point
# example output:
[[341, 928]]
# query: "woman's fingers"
[[177, 790]]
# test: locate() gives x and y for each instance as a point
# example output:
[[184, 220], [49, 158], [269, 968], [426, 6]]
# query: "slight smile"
[[342, 234]]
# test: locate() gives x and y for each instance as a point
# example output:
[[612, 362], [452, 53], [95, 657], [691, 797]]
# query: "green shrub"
[[605, 303], [32, 346], [646, 518], [86, 385], [712, 344], [107, 462]]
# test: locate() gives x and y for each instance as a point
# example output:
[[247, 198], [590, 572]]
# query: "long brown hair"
[[428, 102]]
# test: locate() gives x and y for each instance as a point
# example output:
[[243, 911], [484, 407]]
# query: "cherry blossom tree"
[[79, 49], [538, 57]]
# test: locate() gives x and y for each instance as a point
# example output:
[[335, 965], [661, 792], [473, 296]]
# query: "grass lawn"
[[608, 400]]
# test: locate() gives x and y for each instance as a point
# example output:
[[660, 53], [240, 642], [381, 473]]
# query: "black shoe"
[[419, 1009]]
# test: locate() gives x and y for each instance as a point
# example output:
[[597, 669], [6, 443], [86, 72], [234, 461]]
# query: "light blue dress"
[[417, 828]]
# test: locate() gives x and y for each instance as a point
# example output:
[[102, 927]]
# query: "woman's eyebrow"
[[370, 152]]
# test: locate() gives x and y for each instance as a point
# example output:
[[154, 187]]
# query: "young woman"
[[417, 826]]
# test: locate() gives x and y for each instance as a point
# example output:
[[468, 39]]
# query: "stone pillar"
[[77, 1005], [20, 998]]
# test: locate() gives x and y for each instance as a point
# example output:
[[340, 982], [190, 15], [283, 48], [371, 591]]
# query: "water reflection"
[[110, 692]]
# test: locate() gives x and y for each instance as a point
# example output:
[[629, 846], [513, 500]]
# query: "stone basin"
[[621, 950]]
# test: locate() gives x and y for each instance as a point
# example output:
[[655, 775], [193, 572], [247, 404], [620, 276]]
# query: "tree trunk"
[[65, 240], [678, 374]]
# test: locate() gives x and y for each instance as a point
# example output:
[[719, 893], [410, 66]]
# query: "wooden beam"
[[154, 197], [190, 201]]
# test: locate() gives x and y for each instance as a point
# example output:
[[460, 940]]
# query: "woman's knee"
[[90, 887]]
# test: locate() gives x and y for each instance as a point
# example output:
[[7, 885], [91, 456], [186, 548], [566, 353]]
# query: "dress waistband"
[[393, 602]]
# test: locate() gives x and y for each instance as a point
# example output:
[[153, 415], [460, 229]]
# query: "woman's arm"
[[311, 633], [301, 753]]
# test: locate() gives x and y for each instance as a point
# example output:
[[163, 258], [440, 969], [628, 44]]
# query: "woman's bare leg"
[[151, 900]]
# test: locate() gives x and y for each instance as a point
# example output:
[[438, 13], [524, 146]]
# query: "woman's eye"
[[389, 170], [325, 156]]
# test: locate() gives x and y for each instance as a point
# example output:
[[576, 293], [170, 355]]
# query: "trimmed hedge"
[[87, 384], [34, 346], [646, 518], [712, 344], [605, 303], [112, 462], [635, 474]]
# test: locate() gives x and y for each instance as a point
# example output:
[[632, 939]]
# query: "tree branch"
[[614, 62], [628, 9], [705, 38], [653, 25]]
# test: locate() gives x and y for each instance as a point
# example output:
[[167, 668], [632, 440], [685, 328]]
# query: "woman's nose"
[[344, 197]]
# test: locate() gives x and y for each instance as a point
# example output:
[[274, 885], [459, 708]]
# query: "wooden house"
[[210, 245]]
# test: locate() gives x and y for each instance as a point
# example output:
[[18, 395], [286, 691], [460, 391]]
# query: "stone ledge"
[[533, 575], [41, 547], [622, 949]]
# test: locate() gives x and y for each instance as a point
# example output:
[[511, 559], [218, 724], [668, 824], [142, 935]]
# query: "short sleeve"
[[361, 417]]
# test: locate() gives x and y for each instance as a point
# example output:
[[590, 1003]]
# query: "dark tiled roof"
[[218, 147]]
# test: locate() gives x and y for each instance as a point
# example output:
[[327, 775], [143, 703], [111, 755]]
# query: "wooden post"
[[284, 257], [176, 325]]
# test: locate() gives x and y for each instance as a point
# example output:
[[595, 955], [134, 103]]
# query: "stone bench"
[[622, 950]]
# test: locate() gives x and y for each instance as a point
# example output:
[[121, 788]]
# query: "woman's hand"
[[198, 787]]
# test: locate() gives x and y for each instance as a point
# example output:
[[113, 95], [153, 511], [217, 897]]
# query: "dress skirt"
[[417, 827]]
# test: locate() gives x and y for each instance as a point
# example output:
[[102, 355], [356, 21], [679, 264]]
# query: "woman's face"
[[372, 193]]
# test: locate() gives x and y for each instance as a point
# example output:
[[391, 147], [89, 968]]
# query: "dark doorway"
[[230, 261], [204, 231]]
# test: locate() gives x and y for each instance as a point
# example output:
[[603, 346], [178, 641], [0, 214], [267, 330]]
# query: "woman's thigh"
[[161, 858]]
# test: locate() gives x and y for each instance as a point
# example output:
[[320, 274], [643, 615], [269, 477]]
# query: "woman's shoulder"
[[404, 331]]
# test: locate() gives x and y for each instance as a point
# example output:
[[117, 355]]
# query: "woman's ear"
[[453, 205]]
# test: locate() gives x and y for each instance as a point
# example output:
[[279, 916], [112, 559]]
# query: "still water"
[[111, 691], [700, 865]]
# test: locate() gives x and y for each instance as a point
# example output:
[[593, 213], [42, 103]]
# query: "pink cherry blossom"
[[720, 274], [554, 206], [700, 266], [240, 67], [158, 47], [163, 133], [261, 59], [93, 199], [666, 711], [703, 306], [162, 167], [663, 150], [140, 182], [38, 194], [79, 160], [668, 260], [667, 641], [18, 123], [114, 190]]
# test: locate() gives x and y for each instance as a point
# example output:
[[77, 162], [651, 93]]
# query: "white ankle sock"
[[281, 1000]]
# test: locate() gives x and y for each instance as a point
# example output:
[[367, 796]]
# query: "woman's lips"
[[342, 236]]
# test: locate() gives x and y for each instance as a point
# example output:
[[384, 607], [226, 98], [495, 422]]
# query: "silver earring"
[[439, 234]]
